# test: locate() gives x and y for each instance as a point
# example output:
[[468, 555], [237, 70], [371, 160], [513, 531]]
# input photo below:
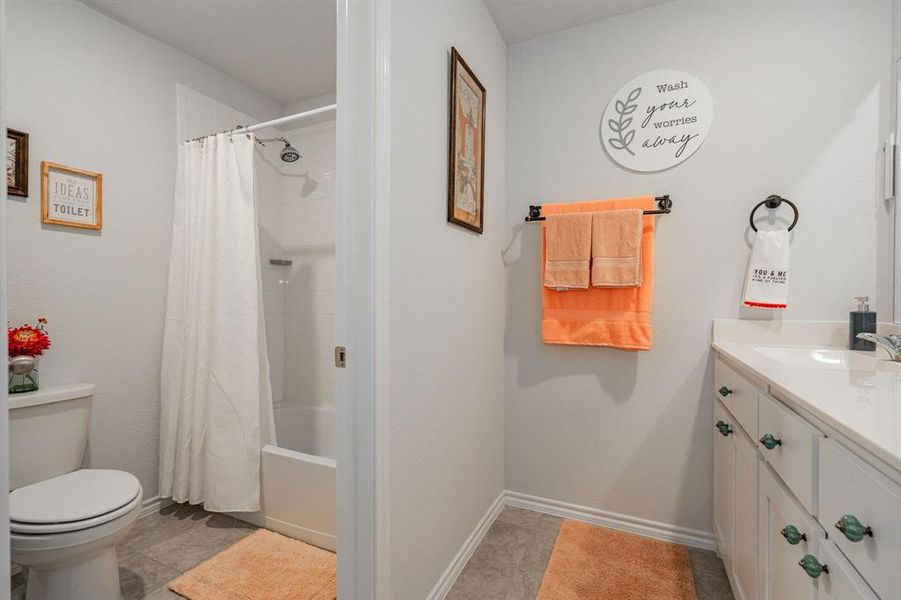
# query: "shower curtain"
[[216, 394]]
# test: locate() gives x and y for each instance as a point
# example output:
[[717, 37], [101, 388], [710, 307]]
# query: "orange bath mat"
[[601, 564], [262, 566]]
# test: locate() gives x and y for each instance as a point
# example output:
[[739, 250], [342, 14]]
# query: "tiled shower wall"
[[308, 240]]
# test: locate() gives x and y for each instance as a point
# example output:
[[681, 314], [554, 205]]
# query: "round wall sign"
[[657, 120]]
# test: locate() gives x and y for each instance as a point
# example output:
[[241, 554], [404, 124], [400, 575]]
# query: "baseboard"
[[154, 505], [447, 579], [652, 529], [321, 539]]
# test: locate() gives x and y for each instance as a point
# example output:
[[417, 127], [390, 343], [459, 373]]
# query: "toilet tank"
[[48, 432]]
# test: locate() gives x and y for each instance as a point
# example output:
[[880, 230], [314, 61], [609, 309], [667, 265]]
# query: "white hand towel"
[[766, 284]]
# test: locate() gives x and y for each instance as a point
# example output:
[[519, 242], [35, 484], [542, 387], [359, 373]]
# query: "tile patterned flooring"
[[508, 565], [510, 562], [162, 546]]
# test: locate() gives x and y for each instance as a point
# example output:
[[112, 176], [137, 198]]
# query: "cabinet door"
[[744, 554], [860, 509], [786, 533], [723, 481], [842, 582]]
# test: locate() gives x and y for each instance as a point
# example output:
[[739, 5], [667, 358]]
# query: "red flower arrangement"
[[27, 340]]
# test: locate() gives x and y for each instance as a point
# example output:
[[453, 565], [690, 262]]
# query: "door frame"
[[362, 217], [4, 401]]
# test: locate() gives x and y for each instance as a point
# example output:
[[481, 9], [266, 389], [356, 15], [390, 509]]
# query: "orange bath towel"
[[616, 317], [568, 250]]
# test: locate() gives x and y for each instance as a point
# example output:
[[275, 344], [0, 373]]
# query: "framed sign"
[[16, 163], [657, 120], [466, 163], [71, 197]]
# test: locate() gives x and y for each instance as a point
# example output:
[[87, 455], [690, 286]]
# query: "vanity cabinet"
[[735, 502], [789, 444], [738, 395], [792, 506], [861, 510], [723, 480], [744, 544], [786, 534]]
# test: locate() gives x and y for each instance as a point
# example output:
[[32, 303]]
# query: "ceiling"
[[519, 20], [285, 49]]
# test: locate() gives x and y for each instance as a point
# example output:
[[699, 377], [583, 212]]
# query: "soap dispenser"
[[863, 320]]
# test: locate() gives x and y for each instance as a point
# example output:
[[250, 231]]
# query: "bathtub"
[[297, 477]]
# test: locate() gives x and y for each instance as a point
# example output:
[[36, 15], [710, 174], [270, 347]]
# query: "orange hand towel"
[[568, 252], [616, 317], [616, 248]]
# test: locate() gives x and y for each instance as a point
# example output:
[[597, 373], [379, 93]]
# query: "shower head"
[[289, 154]]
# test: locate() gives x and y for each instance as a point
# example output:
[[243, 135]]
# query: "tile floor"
[[507, 565], [510, 562], [162, 546]]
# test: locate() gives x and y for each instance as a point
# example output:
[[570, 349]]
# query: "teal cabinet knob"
[[770, 441], [792, 535], [812, 566], [724, 428], [724, 391], [853, 529]]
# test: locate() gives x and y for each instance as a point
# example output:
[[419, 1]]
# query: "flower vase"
[[23, 374]]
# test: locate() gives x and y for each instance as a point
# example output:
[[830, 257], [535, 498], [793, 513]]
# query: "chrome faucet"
[[891, 343]]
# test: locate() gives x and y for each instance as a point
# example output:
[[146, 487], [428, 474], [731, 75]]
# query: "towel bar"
[[665, 207]]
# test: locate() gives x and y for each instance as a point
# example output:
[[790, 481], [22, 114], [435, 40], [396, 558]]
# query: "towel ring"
[[773, 202]]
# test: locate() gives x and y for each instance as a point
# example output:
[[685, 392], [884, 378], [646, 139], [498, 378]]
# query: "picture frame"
[[16, 163], [71, 197], [466, 152]]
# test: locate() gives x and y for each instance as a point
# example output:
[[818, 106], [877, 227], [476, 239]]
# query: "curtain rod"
[[288, 119], [278, 121]]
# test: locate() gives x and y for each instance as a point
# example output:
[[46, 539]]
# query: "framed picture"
[[16, 163], [71, 197], [466, 168]]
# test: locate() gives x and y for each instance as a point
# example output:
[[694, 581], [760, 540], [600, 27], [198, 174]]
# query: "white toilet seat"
[[74, 501]]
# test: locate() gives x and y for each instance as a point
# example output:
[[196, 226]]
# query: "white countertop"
[[851, 392]]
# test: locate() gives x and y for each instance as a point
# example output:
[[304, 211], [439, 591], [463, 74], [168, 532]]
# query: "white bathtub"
[[297, 477]]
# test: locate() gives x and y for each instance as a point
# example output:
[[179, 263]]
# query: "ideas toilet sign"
[[657, 120]]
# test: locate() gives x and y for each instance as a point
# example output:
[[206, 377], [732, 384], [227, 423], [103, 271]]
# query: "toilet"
[[65, 521]]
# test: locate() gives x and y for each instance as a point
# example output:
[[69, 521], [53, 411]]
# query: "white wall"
[[97, 95], [800, 101], [446, 298]]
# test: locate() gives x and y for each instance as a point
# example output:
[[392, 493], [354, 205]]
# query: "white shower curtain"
[[216, 395]]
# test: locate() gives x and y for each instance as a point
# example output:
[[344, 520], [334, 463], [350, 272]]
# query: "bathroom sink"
[[828, 359]]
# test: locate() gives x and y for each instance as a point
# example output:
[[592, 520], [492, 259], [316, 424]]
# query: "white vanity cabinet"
[[780, 497], [744, 543], [786, 534], [723, 481], [861, 511]]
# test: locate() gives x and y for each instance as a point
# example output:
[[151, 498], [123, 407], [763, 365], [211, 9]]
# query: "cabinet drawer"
[[841, 582], [738, 395], [852, 492], [789, 444]]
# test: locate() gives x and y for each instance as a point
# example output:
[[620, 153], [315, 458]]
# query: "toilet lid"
[[72, 497]]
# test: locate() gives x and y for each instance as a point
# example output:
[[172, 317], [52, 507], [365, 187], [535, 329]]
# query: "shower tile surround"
[[297, 223]]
